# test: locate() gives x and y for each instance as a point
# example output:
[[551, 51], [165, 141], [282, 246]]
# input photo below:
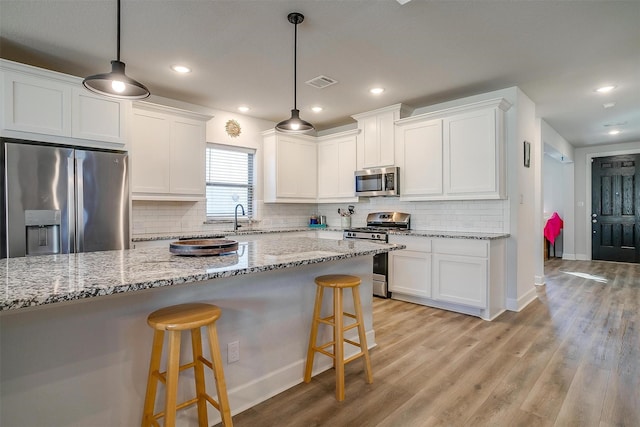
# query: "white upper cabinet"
[[336, 165], [97, 117], [167, 153], [473, 154], [35, 104], [43, 102], [290, 168], [376, 146], [454, 154], [419, 153]]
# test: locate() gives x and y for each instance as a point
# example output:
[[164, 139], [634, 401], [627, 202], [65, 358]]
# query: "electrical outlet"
[[233, 352]]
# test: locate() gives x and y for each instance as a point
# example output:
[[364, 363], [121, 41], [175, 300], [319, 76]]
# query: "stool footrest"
[[162, 376], [354, 357], [353, 343], [213, 402]]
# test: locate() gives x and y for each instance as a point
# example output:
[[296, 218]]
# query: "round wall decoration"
[[233, 128]]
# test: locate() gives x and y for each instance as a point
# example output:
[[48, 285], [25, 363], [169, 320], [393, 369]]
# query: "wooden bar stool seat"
[[338, 282], [174, 320]]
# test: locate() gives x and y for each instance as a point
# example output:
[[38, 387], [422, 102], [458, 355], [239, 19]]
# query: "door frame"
[[588, 198]]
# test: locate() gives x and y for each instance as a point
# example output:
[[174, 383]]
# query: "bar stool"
[[174, 320], [338, 282]]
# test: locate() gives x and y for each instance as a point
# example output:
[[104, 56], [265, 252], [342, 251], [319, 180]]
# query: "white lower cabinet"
[[460, 280], [462, 275], [410, 272]]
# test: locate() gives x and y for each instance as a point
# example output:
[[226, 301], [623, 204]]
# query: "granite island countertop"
[[452, 234], [41, 280], [243, 232], [230, 234]]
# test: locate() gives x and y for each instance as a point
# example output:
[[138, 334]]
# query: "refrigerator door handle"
[[80, 204], [71, 205]]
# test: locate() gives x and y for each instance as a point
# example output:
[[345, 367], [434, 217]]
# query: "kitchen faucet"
[[235, 221]]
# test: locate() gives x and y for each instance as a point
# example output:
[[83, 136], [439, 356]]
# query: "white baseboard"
[[569, 257], [583, 257], [523, 301]]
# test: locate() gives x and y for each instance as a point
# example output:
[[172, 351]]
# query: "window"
[[229, 180]]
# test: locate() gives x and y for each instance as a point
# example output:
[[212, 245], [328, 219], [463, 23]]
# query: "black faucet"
[[235, 221]]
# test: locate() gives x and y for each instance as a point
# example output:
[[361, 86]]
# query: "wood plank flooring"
[[571, 358]]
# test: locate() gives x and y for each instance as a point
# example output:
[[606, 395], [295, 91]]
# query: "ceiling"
[[422, 53]]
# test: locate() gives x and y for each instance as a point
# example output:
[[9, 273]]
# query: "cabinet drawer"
[[465, 247], [414, 243]]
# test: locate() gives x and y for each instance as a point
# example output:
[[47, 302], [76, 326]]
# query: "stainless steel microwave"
[[378, 182]]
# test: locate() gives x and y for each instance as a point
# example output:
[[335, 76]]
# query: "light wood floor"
[[571, 358]]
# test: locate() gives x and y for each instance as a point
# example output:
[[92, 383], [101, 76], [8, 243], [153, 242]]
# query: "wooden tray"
[[203, 247]]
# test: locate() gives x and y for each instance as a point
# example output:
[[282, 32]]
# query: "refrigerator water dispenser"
[[43, 232]]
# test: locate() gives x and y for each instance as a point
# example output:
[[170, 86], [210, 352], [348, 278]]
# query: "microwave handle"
[[385, 181]]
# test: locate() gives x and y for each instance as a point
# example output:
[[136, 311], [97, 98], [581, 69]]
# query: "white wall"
[[561, 149], [525, 248], [558, 187], [582, 193], [553, 194]]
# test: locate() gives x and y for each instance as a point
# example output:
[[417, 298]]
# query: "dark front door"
[[615, 214]]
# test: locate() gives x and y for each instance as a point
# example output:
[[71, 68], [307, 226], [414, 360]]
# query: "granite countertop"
[[230, 233], [451, 234], [40, 280], [241, 232]]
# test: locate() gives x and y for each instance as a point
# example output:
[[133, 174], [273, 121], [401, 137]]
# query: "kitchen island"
[[74, 344]]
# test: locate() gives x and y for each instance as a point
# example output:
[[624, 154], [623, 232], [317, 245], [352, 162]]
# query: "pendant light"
[[116, 84], [295, 124]]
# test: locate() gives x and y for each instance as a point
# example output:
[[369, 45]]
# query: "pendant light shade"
[[295, 124], [116, 84]]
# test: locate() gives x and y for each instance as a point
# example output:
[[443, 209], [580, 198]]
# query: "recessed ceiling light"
[[614, 132], [609, 105], [243, 108], [181, 69], [316, 109], [605, 89], [376, 90]]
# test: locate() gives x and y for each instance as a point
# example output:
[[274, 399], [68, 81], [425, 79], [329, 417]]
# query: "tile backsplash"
[[486, 216]]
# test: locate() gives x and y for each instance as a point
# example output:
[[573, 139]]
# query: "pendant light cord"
[[295, 66], [118, 44]]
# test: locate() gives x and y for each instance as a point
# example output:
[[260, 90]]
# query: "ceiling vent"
[[321, 82]]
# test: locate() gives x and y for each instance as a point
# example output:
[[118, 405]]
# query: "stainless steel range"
[[378, 226]]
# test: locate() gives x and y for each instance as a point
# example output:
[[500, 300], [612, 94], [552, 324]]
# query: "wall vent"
[[321, 82]]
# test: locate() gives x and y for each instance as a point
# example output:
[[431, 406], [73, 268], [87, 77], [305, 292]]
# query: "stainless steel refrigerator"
[[58, 199]]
